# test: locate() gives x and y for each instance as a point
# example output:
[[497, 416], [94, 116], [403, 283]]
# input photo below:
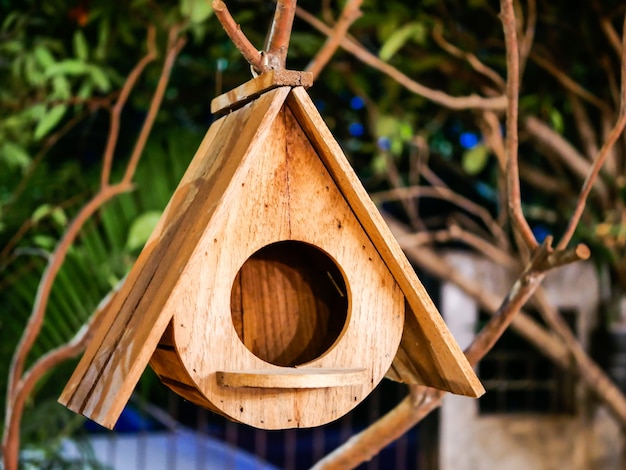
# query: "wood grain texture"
[[287, 194], [268, 172], [437, 358], [252, 89], [289, 303], [293, 378], [108, 372]]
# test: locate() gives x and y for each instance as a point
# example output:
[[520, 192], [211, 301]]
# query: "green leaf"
[[58, 215], [33, 74], [379, 164], [556, 119], [103, 40], [85, 90], [387, 126], [61, 88], [196, 10], [99, 78], [14, 155], [41, 212], [475, 159], [44, 241], [67, 67], [81, 49], [51, 119], [9, 20], [43, 56], [141, 229], [400, 37]]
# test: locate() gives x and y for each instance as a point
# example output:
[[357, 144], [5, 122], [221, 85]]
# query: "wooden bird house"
[[271, 291]]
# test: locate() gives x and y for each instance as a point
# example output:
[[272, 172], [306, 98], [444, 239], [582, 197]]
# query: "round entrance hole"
[[289, 303]]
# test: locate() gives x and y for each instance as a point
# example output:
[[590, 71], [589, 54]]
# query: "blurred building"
[[534, 415]]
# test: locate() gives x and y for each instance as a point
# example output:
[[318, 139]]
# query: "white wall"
[[588, 440]]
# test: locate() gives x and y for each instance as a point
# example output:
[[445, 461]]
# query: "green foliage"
[[141, 229], [475, 159], [415, 31]]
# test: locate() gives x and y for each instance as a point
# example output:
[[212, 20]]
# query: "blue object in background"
[[384, 144], [357, 103], [468, 140], [541, 232], [356, 129], [130, 421]]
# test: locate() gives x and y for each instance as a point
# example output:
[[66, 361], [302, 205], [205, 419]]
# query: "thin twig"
[[507, 16], [456, 233], [553, 143], [42, 366], [529, 34], [280, 33], [586, 131], [116, 112], [471, 59], [492, 134], [436, 96], [241, 42], [567, 82], [611, 35], [363, 446], [174, 46], [45, 148], [351, 12], [522, 290], [409, 205], [610, 141], [441, 193], [423, 400]]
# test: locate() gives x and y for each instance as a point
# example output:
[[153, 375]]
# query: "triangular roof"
[[113, 362]]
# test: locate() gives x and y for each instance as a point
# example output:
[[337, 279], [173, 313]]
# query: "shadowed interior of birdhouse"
[[289, 303]]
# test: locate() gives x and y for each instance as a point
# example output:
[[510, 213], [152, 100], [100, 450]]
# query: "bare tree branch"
[[567, 82], [42, 366], [363, 446], [553, 143], [116, 112], [507, 16], [175, 43], [492, 136], [457, 233], [589, 371], [587, 133], [610, 141], [280, 33], [446, 194], [351, 12], [436, 96], [471, 59], [611, 35], [423, 400], [529, 34], [255, 58]]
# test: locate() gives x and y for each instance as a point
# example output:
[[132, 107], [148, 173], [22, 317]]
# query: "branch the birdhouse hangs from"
[[271, 291]]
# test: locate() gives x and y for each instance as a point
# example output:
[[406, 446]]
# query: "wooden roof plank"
[[439, 355]]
